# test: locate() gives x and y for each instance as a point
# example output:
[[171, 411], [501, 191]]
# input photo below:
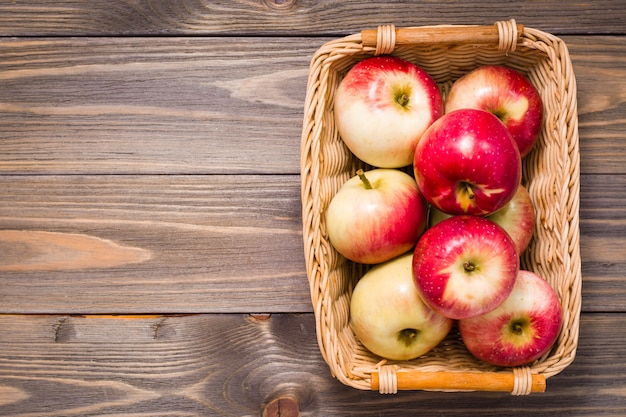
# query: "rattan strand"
[[507, 32], [388, 379], [522, 382], [386, 39]]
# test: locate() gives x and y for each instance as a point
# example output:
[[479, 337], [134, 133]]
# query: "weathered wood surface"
[[294, 17], [176, 244], [234, 365], [152, 105], [149, 161]]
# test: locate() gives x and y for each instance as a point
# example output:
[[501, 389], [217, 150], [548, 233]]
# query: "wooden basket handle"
[[505, 34], [519, 382]]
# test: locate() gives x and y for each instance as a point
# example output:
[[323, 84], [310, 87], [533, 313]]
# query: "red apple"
[[465, 266], [517, 217], [376, 216], [521, 329], [388, 316], [506, 93], [383, 106], [467, 163]]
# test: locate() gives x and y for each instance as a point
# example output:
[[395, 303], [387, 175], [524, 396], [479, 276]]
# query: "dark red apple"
[[467, 163]]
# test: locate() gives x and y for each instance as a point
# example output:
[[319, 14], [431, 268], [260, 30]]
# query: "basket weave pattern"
[[550, 172]]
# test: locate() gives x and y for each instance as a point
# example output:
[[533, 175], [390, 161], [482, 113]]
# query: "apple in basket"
[[506, 93], [521, 329], [388, 316], [465, 266], [376, 215], [382, 107], [517, 217], [467, 163]]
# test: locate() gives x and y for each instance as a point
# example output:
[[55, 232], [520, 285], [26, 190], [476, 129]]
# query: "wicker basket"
[[550, 172]]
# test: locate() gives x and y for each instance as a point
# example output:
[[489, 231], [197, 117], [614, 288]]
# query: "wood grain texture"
[[603, 249], [217, 243], [150, 105], [160, 366], [294, 17], [601, 103], [27, 251], [213, 106]]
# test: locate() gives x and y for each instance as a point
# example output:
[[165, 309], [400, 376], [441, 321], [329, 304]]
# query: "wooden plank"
[[208, 105], [599, 67], [151, 105], [603, 252], [235, 365], [125, 17], [116, 244], [206, 244]]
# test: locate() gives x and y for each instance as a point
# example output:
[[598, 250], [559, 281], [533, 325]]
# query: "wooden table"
[[151, 255]]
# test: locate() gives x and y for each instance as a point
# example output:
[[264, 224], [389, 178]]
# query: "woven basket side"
[[324, 168], [555, 188]]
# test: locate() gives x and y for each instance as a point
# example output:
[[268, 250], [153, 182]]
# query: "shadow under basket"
[[550, 172]]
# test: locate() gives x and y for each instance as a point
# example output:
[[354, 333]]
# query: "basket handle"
[[387, 380], [504, 34]]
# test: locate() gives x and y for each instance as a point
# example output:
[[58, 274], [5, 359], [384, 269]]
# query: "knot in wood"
[[279, 4], [282, 407]]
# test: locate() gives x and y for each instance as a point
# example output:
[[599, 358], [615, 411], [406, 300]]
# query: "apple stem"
[[403, 99], [470, 191], [468, 266], [408, 336], [366, 182], [499, 113]]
